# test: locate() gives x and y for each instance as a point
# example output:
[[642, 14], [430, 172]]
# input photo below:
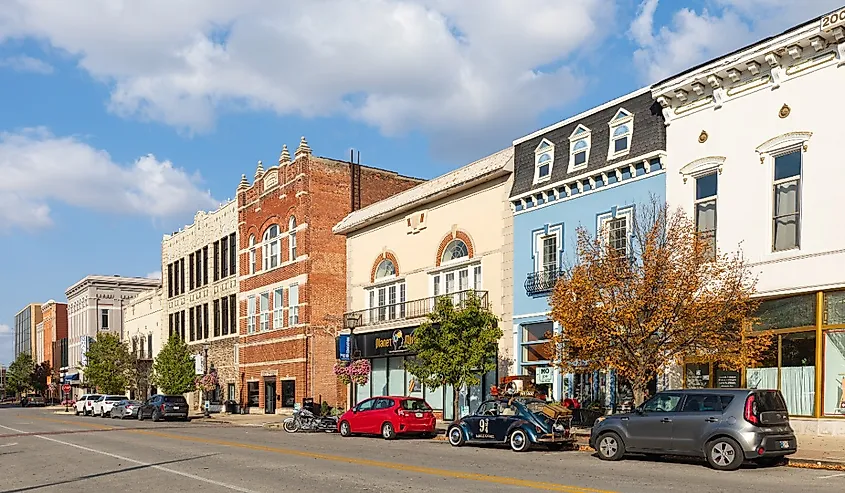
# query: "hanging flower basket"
[[359, 371], [341, 370], [208, 382]]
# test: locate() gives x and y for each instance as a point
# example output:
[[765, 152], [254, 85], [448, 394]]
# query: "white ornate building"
[[754, 140], [200, 276]]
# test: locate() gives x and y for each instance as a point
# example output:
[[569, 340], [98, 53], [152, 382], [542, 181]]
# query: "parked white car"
[[102, 406], [85, 404]]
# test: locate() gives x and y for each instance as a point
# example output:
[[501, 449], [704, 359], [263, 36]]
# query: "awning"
[[70, 377]]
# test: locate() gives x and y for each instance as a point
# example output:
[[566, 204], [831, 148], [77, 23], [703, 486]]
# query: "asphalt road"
[[42, 451]]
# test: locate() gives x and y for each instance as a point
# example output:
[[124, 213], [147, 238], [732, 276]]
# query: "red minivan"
[[388, 416]]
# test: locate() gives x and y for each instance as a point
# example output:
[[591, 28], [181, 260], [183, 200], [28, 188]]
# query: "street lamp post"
[[205, 372], [64, 375]]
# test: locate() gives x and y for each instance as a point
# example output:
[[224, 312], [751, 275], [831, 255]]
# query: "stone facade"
[[200, 286], [290, 259]]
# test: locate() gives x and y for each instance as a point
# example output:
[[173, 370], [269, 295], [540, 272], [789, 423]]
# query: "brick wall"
[[317, 192]]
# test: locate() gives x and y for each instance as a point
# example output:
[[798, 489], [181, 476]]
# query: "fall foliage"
[[662, 298]]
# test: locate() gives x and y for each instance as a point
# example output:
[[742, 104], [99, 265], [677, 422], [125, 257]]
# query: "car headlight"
[[600, 419]]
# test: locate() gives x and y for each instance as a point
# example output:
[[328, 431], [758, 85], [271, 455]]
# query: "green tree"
[[39, 376], [19, 374], [173, 370], [110, 366], [456, 344]]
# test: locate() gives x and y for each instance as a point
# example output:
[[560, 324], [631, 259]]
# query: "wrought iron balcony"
[[407, 310], [542, 282]]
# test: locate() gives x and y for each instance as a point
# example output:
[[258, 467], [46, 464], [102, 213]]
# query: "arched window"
[[386, 268], [271, 247], [455, 250], [252, 254], [292, 240]]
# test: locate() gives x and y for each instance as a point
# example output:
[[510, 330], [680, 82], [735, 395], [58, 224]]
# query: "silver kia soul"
[[727, 426]]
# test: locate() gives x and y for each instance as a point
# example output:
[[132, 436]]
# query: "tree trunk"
[[640, 391]]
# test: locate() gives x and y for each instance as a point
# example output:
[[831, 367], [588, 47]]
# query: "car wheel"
[[724, 454], [610, 447], [345, 429], [156, 416], [456, 436], [519, 441], [387, 431], [76, 412]]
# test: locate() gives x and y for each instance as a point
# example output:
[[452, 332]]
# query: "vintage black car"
[[519, 422]]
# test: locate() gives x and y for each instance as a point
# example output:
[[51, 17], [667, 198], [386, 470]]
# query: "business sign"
[[84, 346], [385, 343], [544, 375], [833, 20], [199, 367], [344, 347]]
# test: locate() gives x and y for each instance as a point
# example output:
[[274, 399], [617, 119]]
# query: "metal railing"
[[406, 310], [542, 282]]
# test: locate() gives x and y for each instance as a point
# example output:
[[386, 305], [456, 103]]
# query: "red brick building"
[[54, 317], [293, 273]]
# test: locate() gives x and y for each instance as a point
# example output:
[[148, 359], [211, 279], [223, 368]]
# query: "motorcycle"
[[305, 420]]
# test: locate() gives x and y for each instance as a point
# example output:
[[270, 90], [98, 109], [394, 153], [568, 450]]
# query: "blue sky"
[[119, 121]]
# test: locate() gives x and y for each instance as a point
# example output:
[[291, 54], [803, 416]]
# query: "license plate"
[[419, 415], [175, 407], [784, 443]]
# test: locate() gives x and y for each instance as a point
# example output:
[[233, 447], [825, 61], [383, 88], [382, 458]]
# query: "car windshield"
[[115, 397], [94, 397], [415, 405], [175, 399], [132, 403]]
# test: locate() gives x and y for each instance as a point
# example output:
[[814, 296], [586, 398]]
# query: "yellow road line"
[[486, 478]]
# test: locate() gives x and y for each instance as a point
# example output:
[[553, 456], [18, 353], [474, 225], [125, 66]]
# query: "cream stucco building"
[[200, 288], [450, 235], [143, 332]]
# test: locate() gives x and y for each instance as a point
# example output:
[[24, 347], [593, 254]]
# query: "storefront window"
[[766, 375], [363, 391], [834, 373], [379, 376], [415, 387], [784, 313], [798, 372], [396, 375], [448, 405], [434, 398], [834, 308], [698, 375]]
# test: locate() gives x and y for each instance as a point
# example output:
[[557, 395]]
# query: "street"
[[42, 451]]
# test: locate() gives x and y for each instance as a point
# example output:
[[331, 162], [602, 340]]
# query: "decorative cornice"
[[785, 140], [702, 166]]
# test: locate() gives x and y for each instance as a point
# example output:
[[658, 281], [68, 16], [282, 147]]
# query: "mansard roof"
[[649, 137]]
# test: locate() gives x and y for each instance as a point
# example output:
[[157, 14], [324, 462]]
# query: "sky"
[[120, 120]]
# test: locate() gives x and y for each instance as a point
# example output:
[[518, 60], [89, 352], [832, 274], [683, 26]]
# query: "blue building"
[[591, 170]]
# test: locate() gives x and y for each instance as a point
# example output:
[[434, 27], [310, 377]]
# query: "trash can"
[[231, 407]]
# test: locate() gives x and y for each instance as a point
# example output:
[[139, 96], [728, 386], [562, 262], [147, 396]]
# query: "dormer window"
[[621, 130], [579, 148], [544, 156]]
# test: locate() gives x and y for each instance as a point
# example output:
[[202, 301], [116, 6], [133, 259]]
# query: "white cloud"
[[7, 344], [695, 37], [5, 330], [25, 63], [154, 275], [453, 69], [39, 168]]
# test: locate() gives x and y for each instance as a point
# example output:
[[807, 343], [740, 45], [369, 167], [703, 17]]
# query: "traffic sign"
[[66, 388]]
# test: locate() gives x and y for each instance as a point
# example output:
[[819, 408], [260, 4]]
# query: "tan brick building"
[[293, 273]]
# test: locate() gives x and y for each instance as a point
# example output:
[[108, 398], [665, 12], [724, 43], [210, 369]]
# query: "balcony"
[[408, 310], [143, 355], [542, 282]]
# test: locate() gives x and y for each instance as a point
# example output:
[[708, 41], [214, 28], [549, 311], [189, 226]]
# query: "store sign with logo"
[[385, 343], [343, 347], [544, 375]]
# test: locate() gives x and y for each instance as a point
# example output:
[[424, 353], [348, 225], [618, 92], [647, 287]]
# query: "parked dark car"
[[125, 409], [517, 422], [160, 407], [726, 426], [33, 400]]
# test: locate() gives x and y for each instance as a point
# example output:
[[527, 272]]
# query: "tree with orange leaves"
[[636, 305]]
